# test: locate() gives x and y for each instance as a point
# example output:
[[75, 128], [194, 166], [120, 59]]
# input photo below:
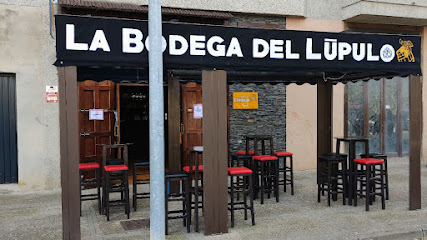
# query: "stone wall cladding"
[[268, 119], [257, 21]]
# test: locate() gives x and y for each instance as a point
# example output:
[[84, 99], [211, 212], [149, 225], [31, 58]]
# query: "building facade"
[[27, 43]]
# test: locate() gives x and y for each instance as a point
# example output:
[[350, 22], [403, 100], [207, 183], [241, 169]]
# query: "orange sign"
[[245, 100]]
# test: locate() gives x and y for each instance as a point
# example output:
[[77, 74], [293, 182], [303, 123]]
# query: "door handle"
[[181, 129], [84, 134]]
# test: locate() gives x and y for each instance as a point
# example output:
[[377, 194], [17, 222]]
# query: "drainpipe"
[[157, 135]]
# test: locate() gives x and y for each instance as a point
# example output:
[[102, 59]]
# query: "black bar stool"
[[383, 157], [116, 179], [183, 196], [246, 188], [195, 172], [285, 169], [93, 166], [269, 171], [330, 177], [368, 178], [142, 180]]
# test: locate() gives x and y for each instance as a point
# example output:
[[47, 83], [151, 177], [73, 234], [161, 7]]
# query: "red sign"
[[51, 93]]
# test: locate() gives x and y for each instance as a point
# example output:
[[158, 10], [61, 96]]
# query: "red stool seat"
[[251, 152], [239, 170], [264, 158], [187, 168], [91, 165], [368, 161], [113, 168], [283, 154]]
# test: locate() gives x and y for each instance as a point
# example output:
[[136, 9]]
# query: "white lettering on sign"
[[371, 57], [289, 53], [219, 50], [258, 43], [132, 40], [70, 41], [99, 41], [310, 55], [234, 48], [173, 40], [197, 45], [359, 53]]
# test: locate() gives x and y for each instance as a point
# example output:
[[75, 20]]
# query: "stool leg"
[[276, 180], [245, 195], [251, 197], [368, 187], [386, 178], [80, 181], [232, 201], [292, 175], [98, 185], [262, 182], [382, 187], [318, 189], [166, 208], [344, 185], [127, 203], [329, 183], [107, 196], [134, 188], [356, 166], [284, 172], [188, 204]]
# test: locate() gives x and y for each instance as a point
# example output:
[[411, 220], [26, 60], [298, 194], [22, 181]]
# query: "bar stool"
[[287, 180], [143, 180], [183, 196], [116, 179], [93, 166], [241, 157], [246, 188], [269, 169], [383, 157], [194, 173], [330, 177], [368, 180]]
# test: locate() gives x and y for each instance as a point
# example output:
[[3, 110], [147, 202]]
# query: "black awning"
[[298, 56]]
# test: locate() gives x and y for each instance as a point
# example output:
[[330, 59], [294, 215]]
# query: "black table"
[[351, 156]]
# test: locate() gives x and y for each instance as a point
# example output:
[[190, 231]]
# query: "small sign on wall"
[[51, 93], [96, 114], [198, 111], [245, 100]]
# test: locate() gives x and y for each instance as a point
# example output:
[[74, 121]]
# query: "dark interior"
[[134, 125]]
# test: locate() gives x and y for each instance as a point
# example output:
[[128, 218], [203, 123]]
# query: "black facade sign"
[[88, 41]]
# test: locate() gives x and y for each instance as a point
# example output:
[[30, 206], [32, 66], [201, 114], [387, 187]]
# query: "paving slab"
[[37, 215]]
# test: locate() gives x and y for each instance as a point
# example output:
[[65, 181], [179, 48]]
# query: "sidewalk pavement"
[[37, 215]]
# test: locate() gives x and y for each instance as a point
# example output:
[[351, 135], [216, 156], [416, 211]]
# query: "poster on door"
[[198, 111], [51, 94], [96, 114]]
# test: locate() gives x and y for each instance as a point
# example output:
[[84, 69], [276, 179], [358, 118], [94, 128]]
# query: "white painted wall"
[[28, 50]]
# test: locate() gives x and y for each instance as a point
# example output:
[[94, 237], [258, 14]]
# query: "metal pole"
[[157, 139]]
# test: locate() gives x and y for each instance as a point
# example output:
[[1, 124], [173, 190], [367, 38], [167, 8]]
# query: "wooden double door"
[[106, 95]]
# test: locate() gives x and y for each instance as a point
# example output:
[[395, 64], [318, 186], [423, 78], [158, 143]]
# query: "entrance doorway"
[[126, 115], [8, 143], [191, 128], [133, 120]]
